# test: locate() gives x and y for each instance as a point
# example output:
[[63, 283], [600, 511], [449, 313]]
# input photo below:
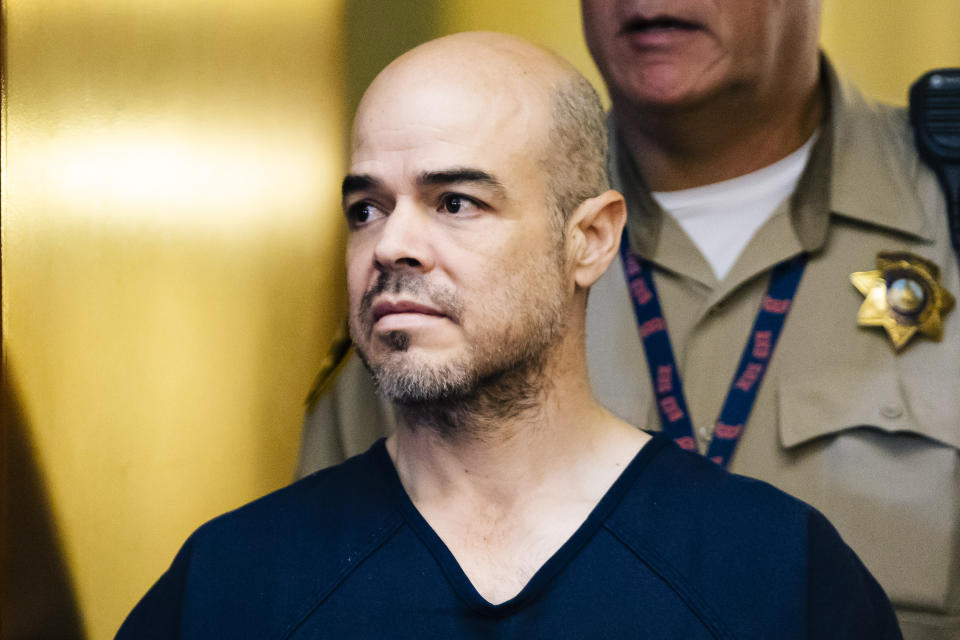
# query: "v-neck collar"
[[543, 577]]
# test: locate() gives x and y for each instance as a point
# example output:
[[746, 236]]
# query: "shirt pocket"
[[826, 402], [879, 455]]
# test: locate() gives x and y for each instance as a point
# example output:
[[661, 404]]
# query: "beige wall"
[[171, 262]]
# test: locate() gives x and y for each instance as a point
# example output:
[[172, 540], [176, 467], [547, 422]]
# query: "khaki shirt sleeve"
[[345, 419]]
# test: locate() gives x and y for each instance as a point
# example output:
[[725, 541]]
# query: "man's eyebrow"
[[360, 182], [357, 182], [455, 176]]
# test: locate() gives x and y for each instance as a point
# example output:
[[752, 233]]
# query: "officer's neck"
[[719, 139]]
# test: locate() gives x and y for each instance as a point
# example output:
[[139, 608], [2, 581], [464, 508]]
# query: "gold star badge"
[[904, 296]]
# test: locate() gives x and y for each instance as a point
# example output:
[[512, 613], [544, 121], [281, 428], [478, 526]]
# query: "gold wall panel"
[[549, 23], [172, 265], [884, 45], [171, 274]]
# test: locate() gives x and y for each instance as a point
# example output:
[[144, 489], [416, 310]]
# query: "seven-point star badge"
[[904, 296]]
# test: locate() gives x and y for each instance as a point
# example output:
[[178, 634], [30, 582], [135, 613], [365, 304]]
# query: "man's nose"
[[404, 238]]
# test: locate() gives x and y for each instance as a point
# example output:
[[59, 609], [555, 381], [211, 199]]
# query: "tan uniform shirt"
[[868, 435]]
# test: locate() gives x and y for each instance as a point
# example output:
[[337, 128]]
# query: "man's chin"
[[667, 86], [394, 341], [420, 385], [405, 376]]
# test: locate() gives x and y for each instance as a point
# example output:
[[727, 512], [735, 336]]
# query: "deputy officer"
[[783, 301]]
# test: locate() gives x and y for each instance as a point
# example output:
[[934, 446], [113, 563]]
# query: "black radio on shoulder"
[[935, 114]]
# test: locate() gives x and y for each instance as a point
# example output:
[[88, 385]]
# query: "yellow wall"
[[884, 45], [171, 275], [549, 23], [171, 254]]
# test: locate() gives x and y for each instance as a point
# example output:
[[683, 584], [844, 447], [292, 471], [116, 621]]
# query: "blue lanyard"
[[667, 386]]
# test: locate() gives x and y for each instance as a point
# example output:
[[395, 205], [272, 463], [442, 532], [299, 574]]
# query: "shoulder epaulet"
[[336, 357]]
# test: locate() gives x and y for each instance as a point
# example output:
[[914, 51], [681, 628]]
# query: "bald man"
[[508, 503], [746, 160]]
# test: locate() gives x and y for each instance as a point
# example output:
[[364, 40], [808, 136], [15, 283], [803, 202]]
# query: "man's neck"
[[451, 449], [719, 139], [505, 494]]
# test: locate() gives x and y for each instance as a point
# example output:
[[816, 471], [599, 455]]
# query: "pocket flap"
[[827, 402]]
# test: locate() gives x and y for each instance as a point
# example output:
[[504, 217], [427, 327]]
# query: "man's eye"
[[361, 213], [454, 203]]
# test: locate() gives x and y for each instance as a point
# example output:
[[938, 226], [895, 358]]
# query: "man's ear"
[[594, 231]]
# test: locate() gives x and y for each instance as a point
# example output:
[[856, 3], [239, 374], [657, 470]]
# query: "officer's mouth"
[[650, 29]]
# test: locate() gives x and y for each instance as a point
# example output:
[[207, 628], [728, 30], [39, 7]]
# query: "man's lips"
[[658, 24], [387, 308]]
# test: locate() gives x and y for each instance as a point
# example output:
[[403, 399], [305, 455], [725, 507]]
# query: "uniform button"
[[704, 433], [891, 411]]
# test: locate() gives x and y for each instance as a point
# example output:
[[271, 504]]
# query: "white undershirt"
[[722, 217]]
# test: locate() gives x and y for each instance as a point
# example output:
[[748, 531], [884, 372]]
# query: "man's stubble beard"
[[503, 374]]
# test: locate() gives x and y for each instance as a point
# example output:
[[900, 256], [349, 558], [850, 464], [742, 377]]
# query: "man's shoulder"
[[747, 556], [889, 122], [291, 548], [349, 498], [261, 569], [735, 548], [872, 133], [683, 500]]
